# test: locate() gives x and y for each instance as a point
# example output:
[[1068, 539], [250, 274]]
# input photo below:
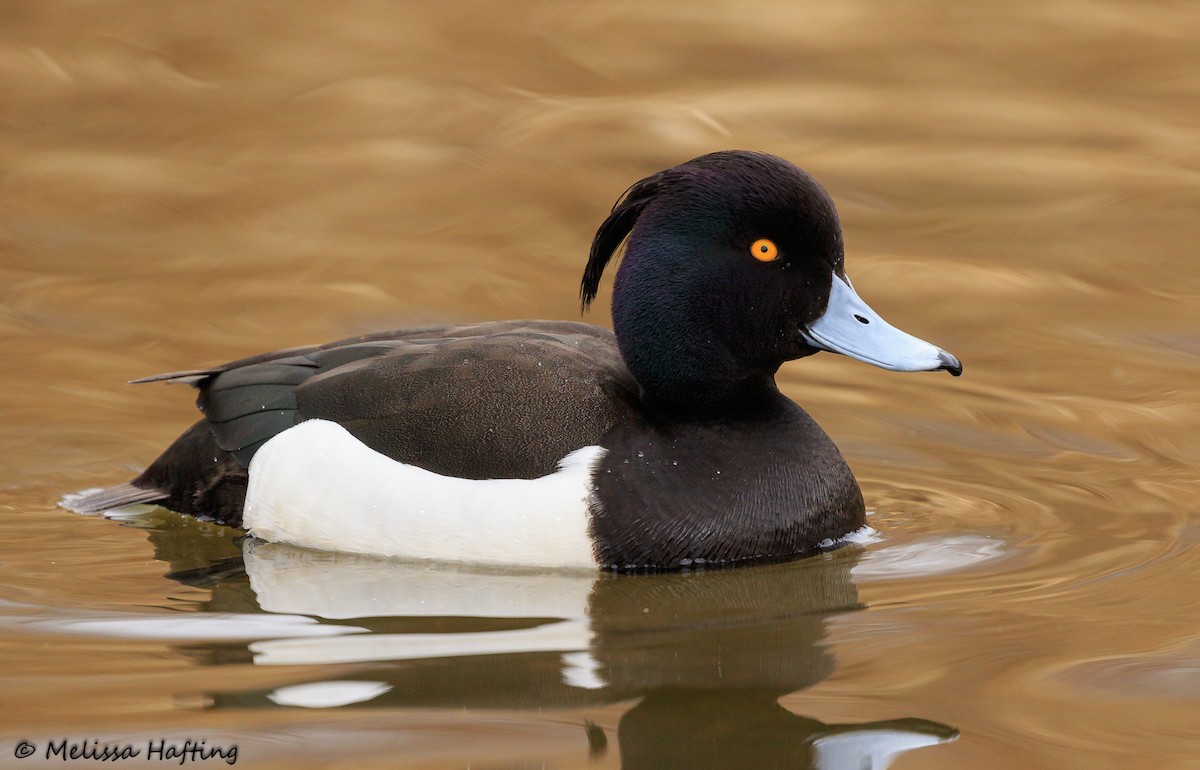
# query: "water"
[[1018, 184]]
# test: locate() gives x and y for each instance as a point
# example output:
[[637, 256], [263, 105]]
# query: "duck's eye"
[[764, 250]]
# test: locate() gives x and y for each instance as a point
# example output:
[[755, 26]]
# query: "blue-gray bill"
[[849, 326]]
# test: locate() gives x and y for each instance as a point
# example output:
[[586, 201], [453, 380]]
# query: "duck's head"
[[733, 265]]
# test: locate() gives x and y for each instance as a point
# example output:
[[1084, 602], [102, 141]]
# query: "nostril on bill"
[[861, 319]]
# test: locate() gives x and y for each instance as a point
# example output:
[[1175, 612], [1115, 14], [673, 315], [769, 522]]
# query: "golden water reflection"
[[192, 183]]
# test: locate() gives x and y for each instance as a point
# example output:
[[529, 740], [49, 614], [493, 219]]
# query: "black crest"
[[613, 231]]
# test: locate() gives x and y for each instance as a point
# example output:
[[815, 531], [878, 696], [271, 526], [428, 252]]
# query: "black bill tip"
[[950, 363]]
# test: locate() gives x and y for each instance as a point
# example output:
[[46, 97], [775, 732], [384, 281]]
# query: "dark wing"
[[509, 402], [488, 401], [248, 405]]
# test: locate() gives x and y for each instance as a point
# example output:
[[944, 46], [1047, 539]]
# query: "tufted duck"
[[549, 443]]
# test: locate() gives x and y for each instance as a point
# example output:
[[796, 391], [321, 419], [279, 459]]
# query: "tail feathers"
[[189, 377], [100, 500]]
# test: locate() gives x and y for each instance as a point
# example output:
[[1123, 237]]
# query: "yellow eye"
[[764, 250]]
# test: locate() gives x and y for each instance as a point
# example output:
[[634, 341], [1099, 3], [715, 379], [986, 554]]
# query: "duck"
[[662, 444]]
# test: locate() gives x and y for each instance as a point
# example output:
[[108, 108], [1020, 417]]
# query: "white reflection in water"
[[872, 747], [340, 586], [933, 556], [563, 636], [581, 669], [324, 695], [679, 645], [210, 626]]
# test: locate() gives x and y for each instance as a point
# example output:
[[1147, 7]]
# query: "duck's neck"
[[749, 399], [684, 374]]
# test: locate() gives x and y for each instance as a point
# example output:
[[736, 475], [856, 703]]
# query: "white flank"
[[317, 486]]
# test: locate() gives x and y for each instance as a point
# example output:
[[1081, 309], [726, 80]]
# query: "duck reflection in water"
[[705, 655]]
